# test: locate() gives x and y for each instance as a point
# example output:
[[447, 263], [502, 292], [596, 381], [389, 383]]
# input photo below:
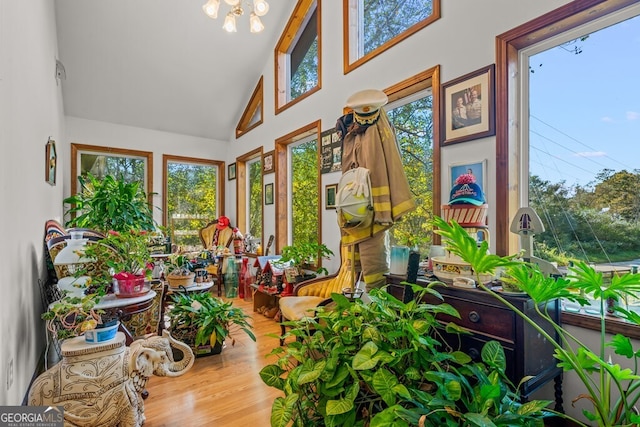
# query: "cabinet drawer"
[[485, 319]]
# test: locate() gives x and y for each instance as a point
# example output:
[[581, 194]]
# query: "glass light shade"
[[211, 7], [230, 23], [73, 252], [232, 2], [260, 8], [255, 23]]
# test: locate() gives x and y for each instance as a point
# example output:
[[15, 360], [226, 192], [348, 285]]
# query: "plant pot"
[[102, 333], [176, 281], [132, 287]]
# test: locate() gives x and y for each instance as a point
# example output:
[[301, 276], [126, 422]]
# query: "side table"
[[124, 308]]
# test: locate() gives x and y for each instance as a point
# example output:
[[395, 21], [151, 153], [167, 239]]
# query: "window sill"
[[613, 325]]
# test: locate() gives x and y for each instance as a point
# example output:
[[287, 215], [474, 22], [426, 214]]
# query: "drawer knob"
[[474, 317], [474, 354]]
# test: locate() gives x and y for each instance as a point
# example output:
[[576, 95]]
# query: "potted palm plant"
[[599, 375], [205, 322]]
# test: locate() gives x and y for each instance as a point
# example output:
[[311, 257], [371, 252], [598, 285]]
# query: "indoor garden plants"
[[204, 321], [303, 256], [611, 389], [385, 364]]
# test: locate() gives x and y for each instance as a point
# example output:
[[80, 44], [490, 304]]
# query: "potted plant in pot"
[[383, 364], [109, 204], [601, 378], [180, 271], [304, 256], [73, 316], [205, 322]]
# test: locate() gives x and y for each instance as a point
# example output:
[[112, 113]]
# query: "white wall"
[[30, 112]]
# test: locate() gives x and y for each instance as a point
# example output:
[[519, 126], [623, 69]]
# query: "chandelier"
[[260, 8]]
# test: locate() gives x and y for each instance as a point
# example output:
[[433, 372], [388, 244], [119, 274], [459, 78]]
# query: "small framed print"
[[268, 194], [468, 107], [330, 196], [51, 158], [232, 171], [268, 162], [477, 169]]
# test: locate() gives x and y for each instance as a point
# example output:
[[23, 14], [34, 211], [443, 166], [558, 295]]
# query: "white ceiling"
[[162, 64]]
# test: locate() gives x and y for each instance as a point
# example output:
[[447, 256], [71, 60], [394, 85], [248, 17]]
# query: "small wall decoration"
[[51, 158], [476, 169], [268, 162], [331, 151], [232, 171], [268, 194], [468, 107], [330, 196]]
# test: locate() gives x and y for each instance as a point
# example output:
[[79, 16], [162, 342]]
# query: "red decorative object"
[[130, 285]]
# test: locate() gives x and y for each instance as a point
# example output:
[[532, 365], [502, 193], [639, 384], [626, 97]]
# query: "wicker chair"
[[310, 294]]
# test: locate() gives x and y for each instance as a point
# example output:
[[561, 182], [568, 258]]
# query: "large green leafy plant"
[[206, 319], [305, 254], [602, 379], [383, 364], [109, 204]]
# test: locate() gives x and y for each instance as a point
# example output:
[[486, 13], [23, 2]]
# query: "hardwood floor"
[[219, 390]]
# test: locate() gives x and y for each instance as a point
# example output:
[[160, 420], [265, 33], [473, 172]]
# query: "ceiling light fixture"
[[260, 8]]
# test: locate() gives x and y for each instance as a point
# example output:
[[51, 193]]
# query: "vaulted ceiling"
[[162, 64]]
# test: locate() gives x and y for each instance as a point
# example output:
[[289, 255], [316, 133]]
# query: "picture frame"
[[468, 107], [330, 151], [268, 194], [232, 171], [51, 160], [268, 162], [478, 169], [330, 192]]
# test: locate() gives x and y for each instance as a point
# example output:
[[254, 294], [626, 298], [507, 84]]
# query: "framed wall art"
[[468, 107], [51, 158], [330, 196], [268, 194], [268, 162], [331, 151], [478, 170], [232, 171]]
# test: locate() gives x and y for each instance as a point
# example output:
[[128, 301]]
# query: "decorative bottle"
[[241, 286], [231, 279], [248, 280]]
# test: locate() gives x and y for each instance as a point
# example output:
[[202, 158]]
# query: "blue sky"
[[585, 108]]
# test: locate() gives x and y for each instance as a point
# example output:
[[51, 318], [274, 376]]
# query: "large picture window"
[[373, 26], [129, 165], [193, 197]]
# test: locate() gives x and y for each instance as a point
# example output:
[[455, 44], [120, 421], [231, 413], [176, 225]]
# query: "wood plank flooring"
[[219, 390]]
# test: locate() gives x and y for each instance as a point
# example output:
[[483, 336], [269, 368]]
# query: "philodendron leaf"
[[282, 410], [533, 407], [364, 359], [341, 373], [384, 383], [310, 371], [270, 374], [493, 355], [621, 345], [344, 405]]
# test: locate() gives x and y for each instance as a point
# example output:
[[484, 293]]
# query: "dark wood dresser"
[[487, 318]]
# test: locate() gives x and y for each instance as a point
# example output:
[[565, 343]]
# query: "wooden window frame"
[[347, 20], [255, 105], [281, 196], [288, 39], [242, 180]]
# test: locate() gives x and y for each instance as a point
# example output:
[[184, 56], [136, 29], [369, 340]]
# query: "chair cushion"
[[297, 307]]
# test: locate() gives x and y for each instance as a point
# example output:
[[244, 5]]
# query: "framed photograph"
[[232, 171], [479, 170], [51, 158], [268, 162], [331, 151], [268, 194], [330, 196], [468, 107]]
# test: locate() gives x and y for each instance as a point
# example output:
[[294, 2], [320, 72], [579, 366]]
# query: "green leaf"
[[282, 410], [493, 355], [310, 371], [384, 383], [478, 420], [622, 346], [271, 376], [364, 358], [344, 405]]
